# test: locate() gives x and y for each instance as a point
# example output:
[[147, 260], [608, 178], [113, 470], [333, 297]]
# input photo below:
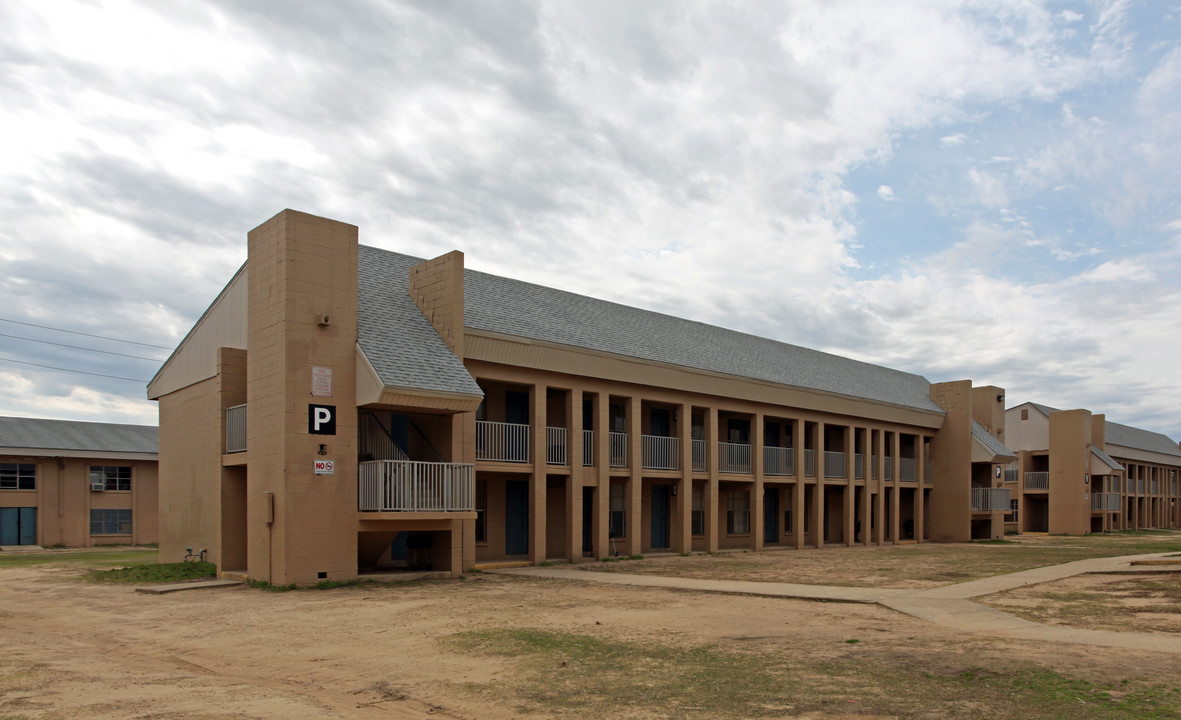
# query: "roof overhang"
[[372, 391], [1102, 464], [6, 452]]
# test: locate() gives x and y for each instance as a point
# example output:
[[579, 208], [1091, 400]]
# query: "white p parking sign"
[[322, 419]]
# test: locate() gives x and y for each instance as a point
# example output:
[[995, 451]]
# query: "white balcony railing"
[[858, 466], [927, 478], [699, 455], [555, 446], [908, 470], [1105, 502], [809, 463], [834, 464], [618, 443], [779, 461], [588, 448], [733, 457], [408, 486], [660, 453], [1037, 481], [888, 474], [502, 442], [990, 499], [236, 429]]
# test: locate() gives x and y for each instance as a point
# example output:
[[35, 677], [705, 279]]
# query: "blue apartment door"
[[770, 515], [660, 516], [18, 526], [516, 517]]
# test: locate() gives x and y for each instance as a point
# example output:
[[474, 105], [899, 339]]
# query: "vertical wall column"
[[797, 497], [850, 487], [537, 453], [682, 540], [878, 438], [602, 514], [635, 487], [920, 480], [818, 504], [866, 496], [710, 501], [574, 480], [895, 482], [758, 521]]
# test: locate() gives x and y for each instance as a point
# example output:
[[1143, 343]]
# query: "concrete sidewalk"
[[950, 605]]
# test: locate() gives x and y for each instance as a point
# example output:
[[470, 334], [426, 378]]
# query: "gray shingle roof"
[[41, 434], [512, 307], [1131, 437], [1128, 436], [395, 336], [996, 447], [406, 351]]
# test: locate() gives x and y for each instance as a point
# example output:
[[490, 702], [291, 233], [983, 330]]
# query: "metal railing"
[[588, 448], [1012, 473], [236, 429], [834, 464], [502, 442], [888, 473], [660, 453], [990, 499], [927, 472], [555, 446], [1105, 502], [733, 457], [908, 470], [699, 455], [809, 463], [618, 443], [409, 486], [858, 466], [1037, 481], [779, 461]]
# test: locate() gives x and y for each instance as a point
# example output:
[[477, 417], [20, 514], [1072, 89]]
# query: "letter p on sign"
[[322, 419]]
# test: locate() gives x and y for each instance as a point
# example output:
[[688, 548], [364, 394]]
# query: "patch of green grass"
[[994, 541], [264, 585], [155, 574], [93, 558], [560, 673]]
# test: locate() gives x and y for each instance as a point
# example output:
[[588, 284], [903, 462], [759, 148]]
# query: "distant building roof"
[[72, 436], [1128, 436], [405, 350]]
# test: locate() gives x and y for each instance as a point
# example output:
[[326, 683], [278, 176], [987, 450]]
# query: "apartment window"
[[738, 512], [1011, 516], [18, 476], [618, 515], [699, 510], [110, 477], [787, 521], [481, 511], [110, 522]]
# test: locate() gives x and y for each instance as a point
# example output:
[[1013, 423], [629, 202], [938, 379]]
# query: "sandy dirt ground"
[[70, 649]]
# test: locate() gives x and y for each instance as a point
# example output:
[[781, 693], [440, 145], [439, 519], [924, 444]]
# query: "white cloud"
[[953, 140], [886, 192]]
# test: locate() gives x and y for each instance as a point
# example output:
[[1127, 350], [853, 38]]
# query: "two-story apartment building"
[[340, 408], [1079, 473], [76, 483]]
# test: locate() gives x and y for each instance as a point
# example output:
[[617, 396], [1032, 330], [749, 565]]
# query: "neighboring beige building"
[[1078, 473], [76, 483], [341, 408]]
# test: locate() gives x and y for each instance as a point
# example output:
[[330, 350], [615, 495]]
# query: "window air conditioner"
[[97, 486]]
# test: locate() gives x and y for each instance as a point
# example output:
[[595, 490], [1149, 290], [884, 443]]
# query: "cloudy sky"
[[983, 190]]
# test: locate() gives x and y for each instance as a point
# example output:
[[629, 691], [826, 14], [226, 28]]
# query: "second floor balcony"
[[1037, 481], [990, 499], [410, 486], [1105, 502]]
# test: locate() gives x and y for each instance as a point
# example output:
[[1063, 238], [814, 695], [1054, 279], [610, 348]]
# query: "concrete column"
[[757, 521], [635, 486], [818, 504], [797, 495], [895, 483], [682, 535], [850, 492], [537, 507], [710, 503], [574, 481], [603, 474], [920, 452]]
